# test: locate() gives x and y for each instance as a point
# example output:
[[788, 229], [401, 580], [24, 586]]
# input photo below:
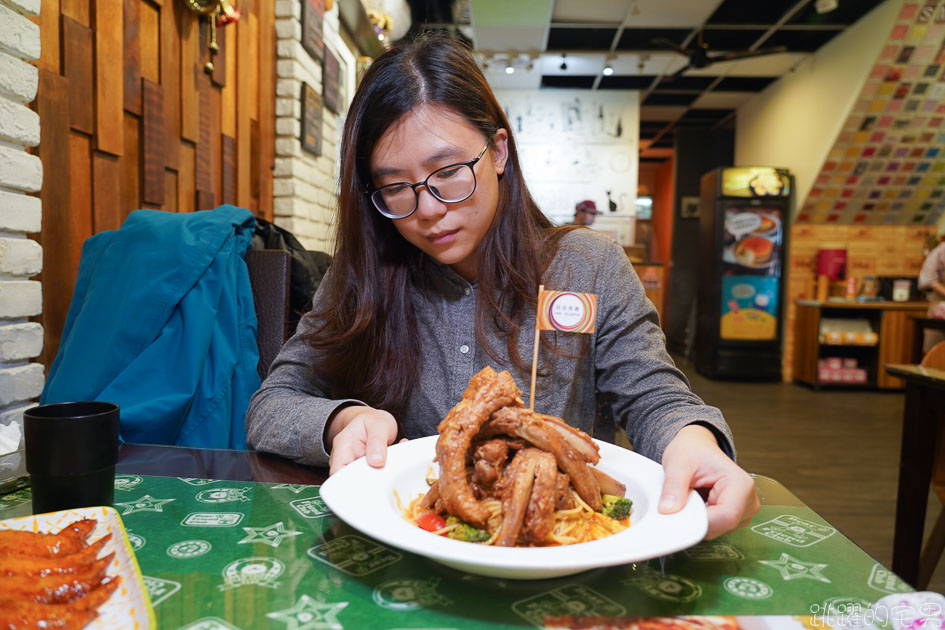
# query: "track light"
[[509, 68], [608, 70], [564, 63]]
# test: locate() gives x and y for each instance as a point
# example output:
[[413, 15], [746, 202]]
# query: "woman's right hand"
[[359, 431]]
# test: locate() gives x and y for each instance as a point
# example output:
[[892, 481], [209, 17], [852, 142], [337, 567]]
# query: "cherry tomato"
[[431, 521]]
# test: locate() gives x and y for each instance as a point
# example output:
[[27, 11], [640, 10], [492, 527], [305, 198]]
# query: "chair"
[[269, 276], [935, 358]]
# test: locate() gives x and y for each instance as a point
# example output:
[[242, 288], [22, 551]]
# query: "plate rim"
[[374, 485]]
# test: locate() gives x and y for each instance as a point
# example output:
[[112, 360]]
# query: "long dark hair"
[[365, 326]]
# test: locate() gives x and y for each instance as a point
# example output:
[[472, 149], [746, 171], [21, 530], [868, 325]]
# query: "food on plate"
[[509, 476], [754, 251], [768, 224], [53, 580]]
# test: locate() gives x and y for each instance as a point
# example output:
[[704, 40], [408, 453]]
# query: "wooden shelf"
[[890, 319]]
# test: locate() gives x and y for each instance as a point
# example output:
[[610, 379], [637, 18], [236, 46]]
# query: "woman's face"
[[428, 138]]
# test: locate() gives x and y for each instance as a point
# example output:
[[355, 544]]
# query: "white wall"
[[21, 174], [304, 185], [794, 122], [570, 149]]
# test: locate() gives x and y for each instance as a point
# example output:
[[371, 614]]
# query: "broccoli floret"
[[616, 507], [466, 532]]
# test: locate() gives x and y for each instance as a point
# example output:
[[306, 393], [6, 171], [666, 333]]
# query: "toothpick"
[[531, 402]]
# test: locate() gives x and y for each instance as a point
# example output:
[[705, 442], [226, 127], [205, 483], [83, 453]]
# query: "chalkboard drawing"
[[571, 116]]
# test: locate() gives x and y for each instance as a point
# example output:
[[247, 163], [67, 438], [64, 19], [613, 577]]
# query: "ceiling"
[[567, 43]]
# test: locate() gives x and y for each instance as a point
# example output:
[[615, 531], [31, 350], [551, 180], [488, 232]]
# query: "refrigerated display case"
[[742, 231]]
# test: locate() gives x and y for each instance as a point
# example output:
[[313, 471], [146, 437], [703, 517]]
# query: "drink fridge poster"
[[749, 308], [753, 241]]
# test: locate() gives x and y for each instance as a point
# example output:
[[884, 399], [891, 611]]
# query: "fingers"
[[734, 506], [679, 473], [343, 453], [367, 434]]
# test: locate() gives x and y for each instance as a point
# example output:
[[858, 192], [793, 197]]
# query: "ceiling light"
[[509, 68], [825, 6], [608, 70], [564, 63]]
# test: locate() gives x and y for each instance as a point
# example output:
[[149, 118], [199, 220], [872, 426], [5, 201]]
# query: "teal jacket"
[[162, 323]]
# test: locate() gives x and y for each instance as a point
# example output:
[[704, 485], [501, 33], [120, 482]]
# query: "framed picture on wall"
[[689, 208], [311, 135], [330, 82], [312, 40]]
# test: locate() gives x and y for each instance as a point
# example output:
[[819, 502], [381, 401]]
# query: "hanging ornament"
[[218, 13]]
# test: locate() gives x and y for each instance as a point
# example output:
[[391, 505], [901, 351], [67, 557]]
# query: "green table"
[[236, 554]]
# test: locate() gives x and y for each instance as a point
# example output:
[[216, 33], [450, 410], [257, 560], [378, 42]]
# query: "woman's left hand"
[[693, 459]]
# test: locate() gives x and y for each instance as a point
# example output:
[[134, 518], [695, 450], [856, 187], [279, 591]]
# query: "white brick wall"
[[20, 213], [304, 185]]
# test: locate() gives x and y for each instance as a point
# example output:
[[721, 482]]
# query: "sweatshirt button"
[[464, 348], [468, 291]]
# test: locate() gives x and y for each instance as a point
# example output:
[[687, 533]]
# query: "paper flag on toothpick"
[[567, 311]]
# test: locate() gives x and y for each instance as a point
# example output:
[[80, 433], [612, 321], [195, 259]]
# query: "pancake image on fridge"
[[741, 288]]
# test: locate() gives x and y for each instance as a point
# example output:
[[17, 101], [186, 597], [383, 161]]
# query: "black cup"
[[71, 452]]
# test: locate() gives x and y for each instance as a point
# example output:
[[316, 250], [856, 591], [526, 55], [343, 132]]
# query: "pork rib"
[[540, 517], [488, 391], [517, 491]]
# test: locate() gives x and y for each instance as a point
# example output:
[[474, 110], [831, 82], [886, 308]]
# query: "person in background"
[[932, 280], [584, 213], [440, 251]]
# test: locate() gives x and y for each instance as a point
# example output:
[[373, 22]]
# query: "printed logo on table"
[[147, 503], [197, 481], [567, 600], [256, 571], [310, 614], [210, 623], [666, 586], [159, 589], [272, 535], [707, 551], [223, 495], [187, 549], [137, 540], [354, 555], [794, 531], [409, 594], [212, 519], [294, 488], [747, 588], [791, 568], [10, 501], [310, 508], [127, 482], [884, 580]]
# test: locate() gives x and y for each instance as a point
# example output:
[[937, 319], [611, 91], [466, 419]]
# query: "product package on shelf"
[[854, 332]]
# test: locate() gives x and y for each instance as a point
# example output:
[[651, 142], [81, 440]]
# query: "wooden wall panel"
[[58, 277], [130, 119], [150, 42], [131, 36], [152, 143], [109, 77], [77, 67], [189, 74], [77, 10], [106, 198]]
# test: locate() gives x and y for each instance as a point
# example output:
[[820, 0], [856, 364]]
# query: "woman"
[[440, 251]]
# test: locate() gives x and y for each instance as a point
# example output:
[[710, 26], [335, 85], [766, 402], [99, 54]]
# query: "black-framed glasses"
[[449, 184]]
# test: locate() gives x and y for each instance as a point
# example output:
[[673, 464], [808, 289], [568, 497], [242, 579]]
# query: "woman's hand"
[[693, 459], [359, 431]]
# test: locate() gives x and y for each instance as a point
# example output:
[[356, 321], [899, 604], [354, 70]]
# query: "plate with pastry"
[[769, 225], [755, 252]]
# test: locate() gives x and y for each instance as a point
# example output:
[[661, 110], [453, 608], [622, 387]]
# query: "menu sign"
[[755, 181], [312, 16], [330, 81], [311, 136]]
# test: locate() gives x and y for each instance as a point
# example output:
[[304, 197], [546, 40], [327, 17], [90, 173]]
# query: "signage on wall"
[[330, 81], [312, 39], [311, 135]]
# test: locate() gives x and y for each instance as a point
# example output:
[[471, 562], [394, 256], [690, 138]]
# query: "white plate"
[[363, 497], [129, 607]]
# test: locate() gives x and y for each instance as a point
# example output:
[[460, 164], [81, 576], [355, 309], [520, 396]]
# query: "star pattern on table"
[[272, 535], [792, 568], [147, 503], [308, 614], [292, 487]]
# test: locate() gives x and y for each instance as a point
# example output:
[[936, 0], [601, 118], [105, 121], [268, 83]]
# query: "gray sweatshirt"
[[625, 370]]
